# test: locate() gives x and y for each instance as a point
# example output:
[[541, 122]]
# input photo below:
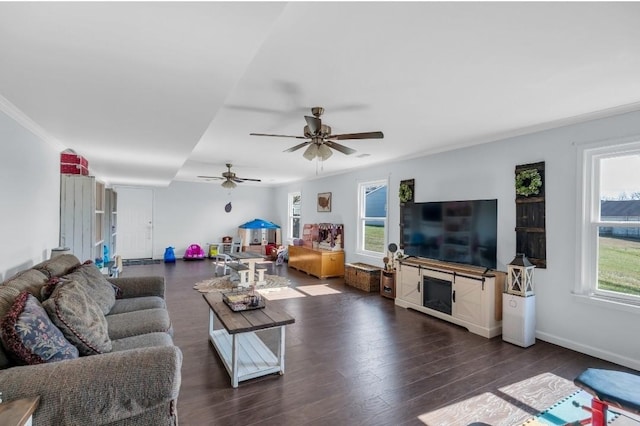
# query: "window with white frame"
[[294, 214], [372, 217], [609, 238]]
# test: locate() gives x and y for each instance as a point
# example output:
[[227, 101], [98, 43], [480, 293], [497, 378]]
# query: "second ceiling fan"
[[320, 139], [230, 178]]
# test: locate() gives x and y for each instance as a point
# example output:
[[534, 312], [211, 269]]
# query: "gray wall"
[[485, 172], [185, 213], [30, 208], [29, 197]]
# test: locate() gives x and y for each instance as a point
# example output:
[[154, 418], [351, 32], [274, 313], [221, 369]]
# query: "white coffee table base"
[[245, 355]]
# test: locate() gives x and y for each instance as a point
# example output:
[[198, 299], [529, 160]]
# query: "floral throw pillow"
[[30, 337]]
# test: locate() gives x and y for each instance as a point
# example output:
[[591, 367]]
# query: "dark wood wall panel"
[[531, 220]]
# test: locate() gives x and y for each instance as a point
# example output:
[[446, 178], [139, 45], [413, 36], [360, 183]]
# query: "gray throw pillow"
[[79, 318], [96, 285]]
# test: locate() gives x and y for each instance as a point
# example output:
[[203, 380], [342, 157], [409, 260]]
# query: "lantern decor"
[[520, 276]]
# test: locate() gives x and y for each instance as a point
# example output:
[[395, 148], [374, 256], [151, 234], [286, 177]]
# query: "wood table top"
[[246, 255], [18, 411], [244, 321]]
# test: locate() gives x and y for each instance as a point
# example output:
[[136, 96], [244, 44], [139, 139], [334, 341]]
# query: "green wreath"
[[405, 193], [528, 182]]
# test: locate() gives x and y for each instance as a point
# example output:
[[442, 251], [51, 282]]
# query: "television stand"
[[474, 298]]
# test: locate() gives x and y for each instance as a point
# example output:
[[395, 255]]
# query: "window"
[[609, 241], [294, 214], [372, 217]]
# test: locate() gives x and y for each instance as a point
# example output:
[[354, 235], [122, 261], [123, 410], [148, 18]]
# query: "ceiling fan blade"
[[210, 177], [277, 136], [366, 135], [295, 148], [247, 180], [314, 123], [254, 109], [338, 147]]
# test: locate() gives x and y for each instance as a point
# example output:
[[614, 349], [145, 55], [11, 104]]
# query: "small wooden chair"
[[609, 388]]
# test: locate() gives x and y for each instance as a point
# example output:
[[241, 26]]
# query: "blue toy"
[[169, 255]]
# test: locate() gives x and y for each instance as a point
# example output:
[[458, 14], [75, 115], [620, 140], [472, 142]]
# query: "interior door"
[[135, 223]]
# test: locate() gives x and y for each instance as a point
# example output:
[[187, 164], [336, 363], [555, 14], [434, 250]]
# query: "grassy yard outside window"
[[372, 217]]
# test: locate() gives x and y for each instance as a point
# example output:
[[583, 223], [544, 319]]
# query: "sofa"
[[96, 350]]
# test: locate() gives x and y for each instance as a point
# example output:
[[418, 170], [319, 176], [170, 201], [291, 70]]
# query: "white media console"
[[468, 296]]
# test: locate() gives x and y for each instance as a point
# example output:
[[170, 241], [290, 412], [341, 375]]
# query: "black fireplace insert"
[[436, 294]]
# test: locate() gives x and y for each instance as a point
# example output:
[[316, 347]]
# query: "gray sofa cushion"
[[79, 318], [29, 280], [58, 266], [137, 304], [143, 341], [96, 285], [129, 324]]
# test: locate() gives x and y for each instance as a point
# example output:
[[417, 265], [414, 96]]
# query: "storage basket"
[[362, 276]]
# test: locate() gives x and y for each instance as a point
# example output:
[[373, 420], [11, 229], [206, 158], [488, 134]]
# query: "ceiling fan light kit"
[[319, 150], [321, 141], [229, 184], [311, 152], [324, 152]]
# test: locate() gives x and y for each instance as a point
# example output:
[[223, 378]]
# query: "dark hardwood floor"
[[352, 358]]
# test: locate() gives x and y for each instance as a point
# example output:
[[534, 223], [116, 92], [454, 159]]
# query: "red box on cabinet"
[[74, 169], [72, 163], [73, 158]]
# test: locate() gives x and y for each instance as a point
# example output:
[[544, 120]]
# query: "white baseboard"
[[589, 350]]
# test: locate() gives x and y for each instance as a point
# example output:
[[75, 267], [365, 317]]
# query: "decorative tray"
[[243, 300]]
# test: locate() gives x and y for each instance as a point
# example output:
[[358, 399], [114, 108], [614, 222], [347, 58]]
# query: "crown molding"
[[21, 118]]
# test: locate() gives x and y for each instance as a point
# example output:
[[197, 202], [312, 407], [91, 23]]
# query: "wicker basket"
[[362, 276]]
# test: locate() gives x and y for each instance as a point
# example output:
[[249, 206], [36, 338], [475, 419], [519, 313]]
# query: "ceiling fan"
[[321, 141], [230, 178]]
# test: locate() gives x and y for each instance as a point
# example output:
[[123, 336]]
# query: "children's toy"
[[194, 252], [169, 255]]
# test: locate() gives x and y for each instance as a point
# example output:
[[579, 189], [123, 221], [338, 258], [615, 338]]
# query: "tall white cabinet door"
[[410, 284], [77, 215]]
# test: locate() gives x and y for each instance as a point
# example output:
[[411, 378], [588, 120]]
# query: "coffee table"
[[242, 351]]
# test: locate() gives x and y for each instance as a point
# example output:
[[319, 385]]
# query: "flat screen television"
[[452, 231]]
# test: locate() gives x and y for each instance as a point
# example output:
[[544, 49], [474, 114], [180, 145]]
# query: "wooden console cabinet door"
[[468, 300], [410, 284]]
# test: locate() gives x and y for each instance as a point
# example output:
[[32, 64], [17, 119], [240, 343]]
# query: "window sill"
[[609, 303], [369, 254]]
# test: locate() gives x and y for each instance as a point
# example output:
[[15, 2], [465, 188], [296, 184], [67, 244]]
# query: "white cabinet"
[[82, 216], [464, 295]]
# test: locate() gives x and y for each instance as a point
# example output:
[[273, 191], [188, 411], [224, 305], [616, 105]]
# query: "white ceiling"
[[152, 92]]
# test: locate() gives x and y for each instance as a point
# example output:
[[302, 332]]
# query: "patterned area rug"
[[541, 400], [568, 411], [224, 283], [511, 405]]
